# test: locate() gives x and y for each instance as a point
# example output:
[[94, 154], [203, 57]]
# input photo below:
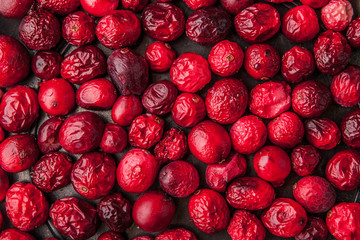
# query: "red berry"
[[235, 6], [246, 226], [114, 139], [315, 229], [126, 109], [143, 238], [15, 8], [353, 33], [134, 5], [78, 28], [160, 56], [48, 135], [176, 234], [46, 64], [99, 8], [337, 14], [279, 1], [304, 159], [110, 236], [322, 133], [196, 4], [62, 7], [315, 3], [14, 234], [4, 185], [350, 129]]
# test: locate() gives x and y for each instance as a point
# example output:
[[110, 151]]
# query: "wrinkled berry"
[[78, 28], [176, 234], [15, 8], [322, 133], [235, 6], [337, 14], [246, 226], [15, 234], [304, 159], [126, 109], [160, 56], [134, 5], [173, 146], [350, 129], [4, 185], [110, 236], [315, 3], [196, 4], [48, 135], [353, 33], [99, 8], [62, 7], [46, 64], [114, 139], [315, 229]]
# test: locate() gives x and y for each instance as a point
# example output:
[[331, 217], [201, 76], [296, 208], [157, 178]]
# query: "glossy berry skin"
[[343, 169], [99, 8], [15, 9], [18, 153], [322, 133], [63, 7], [163, 21], [245, 226], [315, 3], [78, 28], [137, 171], [115, 211], [173, 146], [153, 211], [304, 159], [15, 234], [196, 4], [46, 64], [64, 210], [208, 211], [160, 56], [234, 6], [257, 23], [126, 109], [314, 229], [4, 185], [220, 174], [110, 236], [175, 234], [114, 139], [48, 135], [336, 15], [81, 132], [134, 5], [93, 175], [26, 206], [350, 129], [353, 33]]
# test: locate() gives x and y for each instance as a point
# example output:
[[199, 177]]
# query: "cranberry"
[[26, 206], [114, 139], [160, 56], [127, 80], [315, 3], [343, 170], [189, 110], [15, 234], [314, 230], [235, 6], [153, 211], [14, 61], [337, 14], [304, 159], [173, 146], [137, 171], [246, 226], [48, 135], [65, 210], [163, 21], [208, 211], [134, 5], [97, 94], [248, 134], [81, 132], [176, 234], [190, 72], [40, 30], [83, 64], [4, 185], [62, 7], [353, 33], [99, 8], [126, 109], [279, 1], [332, 52], [322, 133], [78, 28], [257, 23], [311, 99], [220, 174], [196, 4], [350, 129], [110, 236], [46, 64], [15, 9], [143, 237], [115, 211]]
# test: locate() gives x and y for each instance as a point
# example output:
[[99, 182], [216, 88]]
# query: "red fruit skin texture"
[[176, 234], [196, 4], [304, 159], [208, 211], [332, 52], [99, 8], [153, 211], [14, 61], [279, 1], [115, 211], [163, 21], [65, 210], [314, 230], [250, 193], [353, 33], [4, 185], [81, 132], [343, 170], [134, 5], [219, 175], [63, 7], [46, 64], [143, 237], [315, 3], [83, 64], [160, 56], [15, 234], [114, 139], [93, 175], [40, 30], [96, 94], [234, 6], [345, 87], [19, 108], [190, 72], [18, 153], [248, 134], [311, 99], [322, 133], [179, 179], [209, 142], [137, 171], [48, 135], [350, 129], [15, 9], [126, 109], [246, 226], [257, 23], [78, 28], [110, 236], [26, 206], [337, 14]]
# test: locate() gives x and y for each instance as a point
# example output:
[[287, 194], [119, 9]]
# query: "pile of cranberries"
[[179, 120]]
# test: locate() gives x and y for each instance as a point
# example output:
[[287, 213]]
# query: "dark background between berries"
[[181, 45]]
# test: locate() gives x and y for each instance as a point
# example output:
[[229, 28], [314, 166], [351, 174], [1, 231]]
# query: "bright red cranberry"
[[153, 211], [115, 211], [65, 210], [176, 234], [220, 174], [81, 132], [18, 153], [110, 236], [315, 3], [235, 6], [246, 226], [126, 109], [61, 7], [4, 185], [279, 1], [337, 14], [137, 171], [99, 8], [46, 64], [114, 139], [350, 129], [163, 21], [284, 218], [48, 135], [15, 8], [78, 28], [304, 159], [190, 72], [257, 23], [144, 237], [315, 229], [343, 170], [353, 33], [26, 206], [134, 5], [15, 234], [173, 146], [196, 4], [322, 133], [160, 56]]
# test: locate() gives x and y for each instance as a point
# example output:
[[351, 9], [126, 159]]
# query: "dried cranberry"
[[48, 135], [115, 211], [246, 226], [208, 211], [284, 218], [62, 7], [173, 146], [126, 109], [134, 5], [15, 234], [176, 234], [99, 8], [314, 230], [343, 170], [196, 4], [163, 21], [78, 28], [353, 33], [4, 185], [15, 8], [257, 23], [235, 6], [153, 211], [144, 237], [315, 3], [350, 129], [160, 56], [304, 159], [114, 139], [46, 64], [83, 64], [337, 14], [26, 206], [322, 133], [137, 171], [110, 236], [65, 210]]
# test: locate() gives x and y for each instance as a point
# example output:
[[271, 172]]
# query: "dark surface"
[[181, 45]]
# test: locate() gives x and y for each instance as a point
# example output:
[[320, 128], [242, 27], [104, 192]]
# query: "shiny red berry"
[[15, 234], [46, 64], [304, 159], [78, 28], [350, 129], [196, 4], [110, 236], [114, 139], [48, 135], [126, 109], [175, 234], [134, 5], [337, 14], [322, 133], [315, 3], [314, 229], [160, 56], [235, 6], [15, 8], [353, 33], [245, 226], [63, 7], [99, 8]]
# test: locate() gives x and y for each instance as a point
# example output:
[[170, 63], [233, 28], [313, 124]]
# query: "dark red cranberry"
[[78, 28], [110, 236], [235, 6], [304, 159], [315, 229], [15, 234], [196, 4], [4, 185], [114, 139], [279, 1], [144, 237], [99, 8], [337, 14], [353, 33], [61, 7], [134, 5], [350, 129], [15, 8], [48, 135], [126, 109], [173, 146], [315, 3], [46, 64], [322, 133], [160, 56], [245, 226], [176, 234]]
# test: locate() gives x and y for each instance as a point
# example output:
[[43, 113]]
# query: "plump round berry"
[[63, 7], [175, 234], [4, 185], [322, 133], [314, 229], [160, 56], [304, 159], [353, 33], [196, 4], [350, 129], [337, 14], [126, 109], [110, 236], [15, 8], [48, 135], [315, 3], [235, 6], [245, 226], [99, 8], [78, 28], [15, 234], [114, 139], [46, 64]]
